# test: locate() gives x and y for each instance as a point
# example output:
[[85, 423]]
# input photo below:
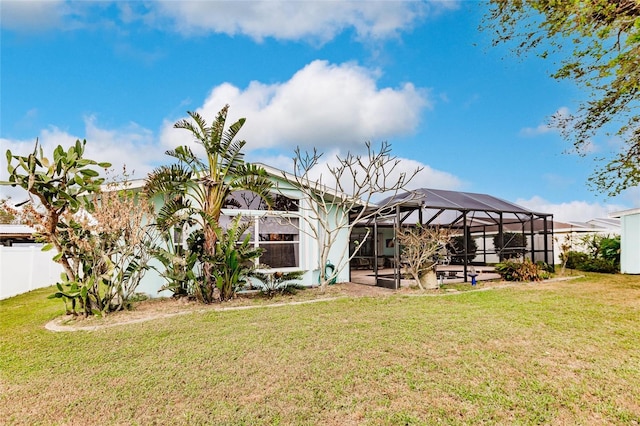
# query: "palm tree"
[[196, 190]]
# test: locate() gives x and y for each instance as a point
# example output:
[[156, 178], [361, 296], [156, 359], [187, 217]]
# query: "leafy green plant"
[[525, 270], [181, 267], [60, 185], [574, 259], [602, 254], [271, 284], [599, 265], [610, 249], [195, 190], [232, 261]]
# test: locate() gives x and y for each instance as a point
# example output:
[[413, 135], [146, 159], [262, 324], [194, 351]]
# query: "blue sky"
[[329, 75]]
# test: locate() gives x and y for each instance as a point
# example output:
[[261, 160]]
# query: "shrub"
[[278, 282], [574, 259], [610, 249], [514, 270], [456, 248], [584, 262], [599, 265]]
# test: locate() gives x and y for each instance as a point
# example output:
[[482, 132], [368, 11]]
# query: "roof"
[[625, 213], [272, 171], [455, 200], [16, 233], [444, 207], [591, 226], [16, 230]]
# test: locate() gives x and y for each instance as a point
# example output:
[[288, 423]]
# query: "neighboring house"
[[23, 266], [629, 240], [16, 235], [574, 233]]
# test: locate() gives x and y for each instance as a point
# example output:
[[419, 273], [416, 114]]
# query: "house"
[[629, 240], [286, 233], [16, 235], [574, 233]]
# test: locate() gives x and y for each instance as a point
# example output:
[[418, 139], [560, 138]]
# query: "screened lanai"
[[485, 229]]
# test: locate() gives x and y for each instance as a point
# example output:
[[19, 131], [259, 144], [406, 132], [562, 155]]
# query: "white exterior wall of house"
[[629, 241], [308, 253]]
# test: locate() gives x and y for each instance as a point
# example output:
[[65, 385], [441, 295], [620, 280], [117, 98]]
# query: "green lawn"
[[556, 353]]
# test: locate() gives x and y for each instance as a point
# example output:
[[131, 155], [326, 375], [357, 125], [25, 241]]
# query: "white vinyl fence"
[[23, 269]]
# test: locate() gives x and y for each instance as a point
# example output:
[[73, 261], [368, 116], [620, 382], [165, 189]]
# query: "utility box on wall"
[[629, 240]]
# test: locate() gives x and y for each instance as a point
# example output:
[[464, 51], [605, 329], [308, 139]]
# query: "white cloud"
[[322, 105], [316, 21], [32, 15], [427, 177], [44, 15], [293, 20], [576, 211], [132, 146]]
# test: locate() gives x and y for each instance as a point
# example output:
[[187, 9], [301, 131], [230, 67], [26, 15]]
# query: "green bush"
[[278, 282], [575, 259], [584, 262], [610, 249], [599, 265], [515, 270]]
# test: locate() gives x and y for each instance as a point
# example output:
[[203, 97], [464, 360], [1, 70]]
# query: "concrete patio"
[[451, 274]]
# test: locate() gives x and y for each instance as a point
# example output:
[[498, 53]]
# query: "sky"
[[329, 75]]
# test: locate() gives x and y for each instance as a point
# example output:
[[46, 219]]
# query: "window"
[[277, 233], [280, 240], [247, 200]]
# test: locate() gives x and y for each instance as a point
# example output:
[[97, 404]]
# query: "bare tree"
[[337, 201], [421, 250]]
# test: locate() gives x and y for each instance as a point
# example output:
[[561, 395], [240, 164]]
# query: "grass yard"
[[551, 353]]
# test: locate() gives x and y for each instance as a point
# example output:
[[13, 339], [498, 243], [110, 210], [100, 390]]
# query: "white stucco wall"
[[630, 242]]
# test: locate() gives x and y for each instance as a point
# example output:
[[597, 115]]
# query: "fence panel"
[[23, 269]]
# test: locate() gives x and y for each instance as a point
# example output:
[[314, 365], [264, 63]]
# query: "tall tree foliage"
[[195, 190], [99, 237], [604, 38], [59, 186]]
